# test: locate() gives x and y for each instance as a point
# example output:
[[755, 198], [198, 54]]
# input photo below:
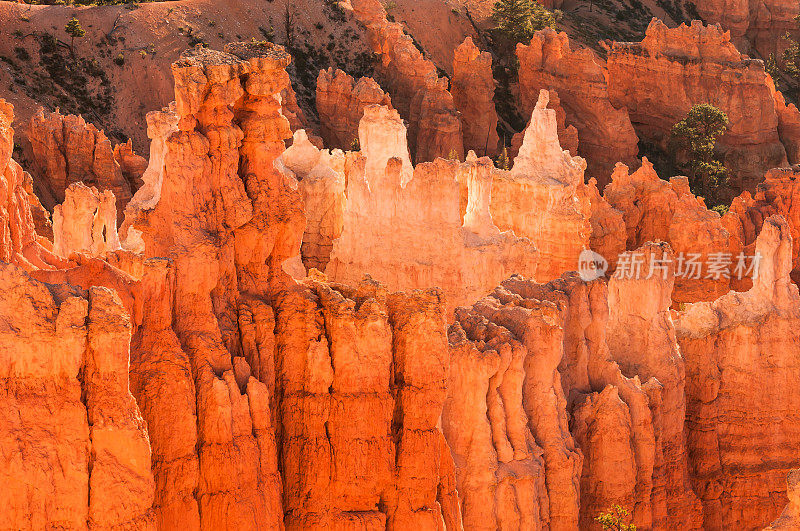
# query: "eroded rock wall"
[[605, 133], [543, 197], [473, 93], [741, 354], [417, 91], [406, 226], [340, 103], [672, 69], [65, 149], [75, 447]]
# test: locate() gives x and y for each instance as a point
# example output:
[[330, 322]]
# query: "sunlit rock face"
[[605, 133], [473, 93], [291, 384], [659, 80], [75, 447], [757, 26], [417, 92], [543, 197], [19, 242], [86, 222], [657, 210], [741, 354], [400, 222], [544, 427], [340, 103], [65, 150], [778, 194]]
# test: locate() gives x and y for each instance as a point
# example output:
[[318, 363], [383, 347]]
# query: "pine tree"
[[616, 519], [520, 19], [74, 30], [696, 136], [791, 56]]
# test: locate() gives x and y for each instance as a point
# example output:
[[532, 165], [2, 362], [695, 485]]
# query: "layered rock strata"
[[741, 352], [75, 448], [657, 210], [543, 197], [760, 25], [65, 149], [341, 102], [672, 69], [604, 129], [19, 242], [473, 95], [417, 91], [406, 227], [86, 222]]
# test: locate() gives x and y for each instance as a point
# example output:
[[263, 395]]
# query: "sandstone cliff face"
[[543, 197], [473, 94], [534, 392], [293, 384], [758, 25], [360, 383], [341, 102], [407, 228], [417, 91], [75, 448], [788, 124], [65, 150], [790, 517], [658, 210], [641, 339], [222, 244], [741, 352], [776, 195], [579, 76], [86, 222], [661, 78], [321, 176], [19, 242]]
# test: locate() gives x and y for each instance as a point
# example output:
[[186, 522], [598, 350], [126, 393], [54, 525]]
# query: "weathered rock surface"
[[473, 94], [407, 228], [75, 448], [19, 242], [86, 222], [658, 210], [534, 392], [417, 91], [672, 69], [65, 149], [742, 352], [790, 517], [360, 382], [321, 176], [641, 339], [778, 194], [580, 78], [759, 25], [340, 104], [788, 124], [543, 196], [324, 400]]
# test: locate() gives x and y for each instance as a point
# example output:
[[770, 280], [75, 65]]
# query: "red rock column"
[[742, 354], [473, 93]]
